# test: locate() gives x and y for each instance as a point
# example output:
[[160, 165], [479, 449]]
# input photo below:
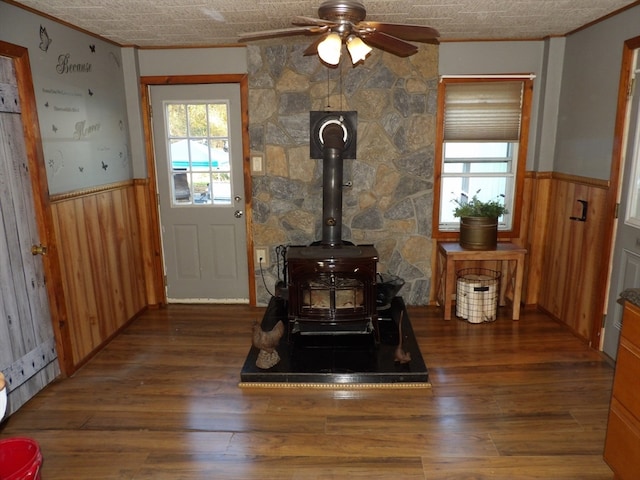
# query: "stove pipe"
[[333, 146]]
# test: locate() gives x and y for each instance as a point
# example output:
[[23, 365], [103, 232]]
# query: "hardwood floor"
[[509, 400]]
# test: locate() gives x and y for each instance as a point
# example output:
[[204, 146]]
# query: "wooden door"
[[28, 355]]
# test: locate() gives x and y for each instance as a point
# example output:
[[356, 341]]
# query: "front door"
[[198, 147], [626, 255]]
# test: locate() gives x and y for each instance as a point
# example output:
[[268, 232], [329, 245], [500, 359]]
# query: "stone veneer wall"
[[390, 202]]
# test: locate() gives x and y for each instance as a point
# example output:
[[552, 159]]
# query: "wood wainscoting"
[[566, 258], [102, 266], [572, 268]]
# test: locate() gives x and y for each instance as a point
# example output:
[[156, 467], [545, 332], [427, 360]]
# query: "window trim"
[[521, 161]]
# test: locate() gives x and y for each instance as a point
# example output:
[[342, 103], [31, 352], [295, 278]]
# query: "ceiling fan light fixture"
[[357, 49], [330, 48]]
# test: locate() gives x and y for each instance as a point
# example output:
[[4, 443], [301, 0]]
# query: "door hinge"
[[616, 210], [632, 87], [164, 279]]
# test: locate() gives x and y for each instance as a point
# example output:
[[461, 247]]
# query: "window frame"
[[190, 171], [508, 175], [520, 162]]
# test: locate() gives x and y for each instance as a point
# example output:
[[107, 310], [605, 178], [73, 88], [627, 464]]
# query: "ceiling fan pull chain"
[[341, 68], [328, 91]]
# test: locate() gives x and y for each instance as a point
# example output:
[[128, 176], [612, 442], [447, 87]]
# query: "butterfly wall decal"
[[45, 41]]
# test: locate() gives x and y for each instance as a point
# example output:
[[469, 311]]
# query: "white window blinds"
[[483, 111]]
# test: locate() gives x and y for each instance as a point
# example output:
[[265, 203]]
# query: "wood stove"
[[332, 290], [332, 283]]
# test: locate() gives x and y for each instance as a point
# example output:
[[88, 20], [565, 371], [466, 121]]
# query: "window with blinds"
[[479, 145], [483, 111]]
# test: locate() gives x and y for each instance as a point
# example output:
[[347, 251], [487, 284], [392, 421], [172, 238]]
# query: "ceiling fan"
[[342, 21]]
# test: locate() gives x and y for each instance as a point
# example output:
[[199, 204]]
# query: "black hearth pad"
[[341, 360]]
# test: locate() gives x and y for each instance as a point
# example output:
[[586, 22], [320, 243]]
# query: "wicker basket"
[[477, 294]]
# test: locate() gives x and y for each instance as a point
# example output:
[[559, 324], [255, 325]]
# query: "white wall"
[[193, 61], [178, 61], [79, 90], [489, 58], [550, 85], [591, 74]]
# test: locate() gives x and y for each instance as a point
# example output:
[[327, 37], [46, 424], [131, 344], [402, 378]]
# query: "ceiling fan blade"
[[313, 48], [312, 21], [389, 44], [413, 33], [283, 32]]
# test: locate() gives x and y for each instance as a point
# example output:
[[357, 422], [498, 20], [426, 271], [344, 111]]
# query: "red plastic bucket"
[[20, 459]]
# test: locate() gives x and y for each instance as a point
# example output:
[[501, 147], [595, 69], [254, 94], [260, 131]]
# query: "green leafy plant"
[[479, 208]]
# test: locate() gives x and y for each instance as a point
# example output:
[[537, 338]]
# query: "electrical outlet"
[[261, 257]]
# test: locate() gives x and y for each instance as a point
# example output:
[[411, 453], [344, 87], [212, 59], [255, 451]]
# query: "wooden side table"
[[511, 257]]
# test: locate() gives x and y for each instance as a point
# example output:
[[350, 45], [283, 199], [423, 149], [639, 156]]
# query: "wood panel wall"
[[100, 251], [563, 274], [570, 279], [533, 235], [149, 228]]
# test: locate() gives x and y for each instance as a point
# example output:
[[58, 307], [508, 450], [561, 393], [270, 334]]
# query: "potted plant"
[[479, 221]]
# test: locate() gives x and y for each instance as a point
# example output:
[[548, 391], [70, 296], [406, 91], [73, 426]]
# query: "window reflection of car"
[[202, 157], [181, 191], [198, 158], [220, 193]]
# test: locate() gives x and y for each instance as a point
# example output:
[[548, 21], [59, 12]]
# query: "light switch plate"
[[257, 164]]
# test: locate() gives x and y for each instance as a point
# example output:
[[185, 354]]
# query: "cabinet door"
[[622, 445]]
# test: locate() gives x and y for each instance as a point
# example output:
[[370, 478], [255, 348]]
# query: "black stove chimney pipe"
[[332, 138]]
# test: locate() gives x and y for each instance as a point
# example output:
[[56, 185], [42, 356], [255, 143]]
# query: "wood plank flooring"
[[509, 400]]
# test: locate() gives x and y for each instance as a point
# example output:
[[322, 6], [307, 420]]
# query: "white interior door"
[[198, 145], [626, 255]]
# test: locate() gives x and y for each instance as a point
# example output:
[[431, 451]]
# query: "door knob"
[[38, 250], [238, 213]]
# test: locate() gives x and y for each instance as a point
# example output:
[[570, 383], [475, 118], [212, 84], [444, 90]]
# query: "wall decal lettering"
[[65, 66], [83, 131]]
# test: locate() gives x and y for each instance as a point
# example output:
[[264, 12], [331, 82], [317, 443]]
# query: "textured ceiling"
[[148, 23]]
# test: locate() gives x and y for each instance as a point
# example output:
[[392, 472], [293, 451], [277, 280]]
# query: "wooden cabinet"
[[622, 445]]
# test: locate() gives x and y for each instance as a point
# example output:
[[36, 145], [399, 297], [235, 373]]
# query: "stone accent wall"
[[390, 202]]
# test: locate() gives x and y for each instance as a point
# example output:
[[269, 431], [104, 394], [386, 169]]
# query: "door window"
[[198, 153]]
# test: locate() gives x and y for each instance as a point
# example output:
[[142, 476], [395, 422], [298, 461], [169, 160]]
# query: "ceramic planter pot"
[[479, 233]]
